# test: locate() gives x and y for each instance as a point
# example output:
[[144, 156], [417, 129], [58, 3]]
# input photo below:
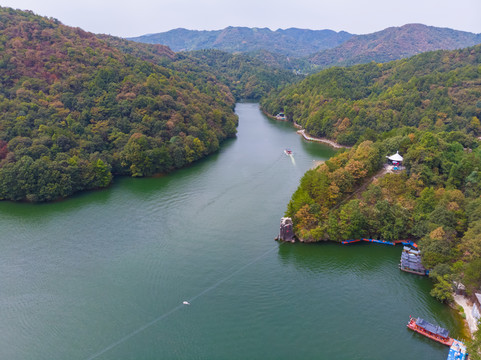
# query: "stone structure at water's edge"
[[286, 231]]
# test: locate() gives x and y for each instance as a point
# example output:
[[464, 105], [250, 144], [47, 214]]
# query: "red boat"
[[433, 332]]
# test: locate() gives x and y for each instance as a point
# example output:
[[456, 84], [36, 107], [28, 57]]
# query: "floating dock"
[[406, 242], [385, 242], [457, 351]]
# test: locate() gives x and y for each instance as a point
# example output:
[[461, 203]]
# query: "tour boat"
[[411, 261], [288, 152], [431, 331]]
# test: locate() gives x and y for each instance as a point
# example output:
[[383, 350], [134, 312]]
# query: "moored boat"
[[411, 261], [431, 331]]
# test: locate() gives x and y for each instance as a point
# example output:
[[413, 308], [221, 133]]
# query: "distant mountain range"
[[302, 48], [290, 42], [394, 43]]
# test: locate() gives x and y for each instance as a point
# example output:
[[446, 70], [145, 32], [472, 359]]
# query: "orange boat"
[[431, 331]]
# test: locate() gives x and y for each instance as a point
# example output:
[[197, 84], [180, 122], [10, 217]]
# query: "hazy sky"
[[137, 17]]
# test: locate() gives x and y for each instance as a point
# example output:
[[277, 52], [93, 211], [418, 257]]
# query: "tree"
[[443, 290], [472, 275], [103, 176]]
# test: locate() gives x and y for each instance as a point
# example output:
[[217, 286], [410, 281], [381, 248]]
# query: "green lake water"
[[103, 275]]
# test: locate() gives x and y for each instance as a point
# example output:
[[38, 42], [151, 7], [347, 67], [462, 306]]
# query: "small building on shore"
[[281, 116], [459, 288], [477, 306]]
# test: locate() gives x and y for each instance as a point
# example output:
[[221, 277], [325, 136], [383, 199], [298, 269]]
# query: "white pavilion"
[[396, 160]]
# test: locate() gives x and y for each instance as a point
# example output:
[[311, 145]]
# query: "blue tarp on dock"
[[457, 351]]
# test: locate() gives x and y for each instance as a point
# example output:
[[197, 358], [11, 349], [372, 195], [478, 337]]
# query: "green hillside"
[[76, 110], [246, 77], [427, 108], [437, 91], [435, 200]]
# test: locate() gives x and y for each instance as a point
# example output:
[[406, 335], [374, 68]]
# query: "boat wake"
[[293, 160]]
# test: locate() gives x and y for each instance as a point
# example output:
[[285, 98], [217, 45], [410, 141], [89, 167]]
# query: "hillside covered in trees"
[[247, 78], [427, 108], [436, 91], [435, 200], [76, 110]]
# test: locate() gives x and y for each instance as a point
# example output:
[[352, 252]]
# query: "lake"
[[104, 274]]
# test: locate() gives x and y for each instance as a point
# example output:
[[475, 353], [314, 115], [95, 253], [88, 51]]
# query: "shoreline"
[[317, 163], [469, 320], [331, 143], [306, 136]]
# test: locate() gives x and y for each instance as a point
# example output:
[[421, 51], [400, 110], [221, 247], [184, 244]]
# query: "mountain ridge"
[[310, 50], [394, 43], [288, 42]]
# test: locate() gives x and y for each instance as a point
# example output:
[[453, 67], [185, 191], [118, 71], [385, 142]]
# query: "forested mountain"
[[246, 77], [436, 91], [290, 42], [427, 108], [393, 43], [75, 110]]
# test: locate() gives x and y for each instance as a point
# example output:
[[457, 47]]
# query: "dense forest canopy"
[[75, 110], [246, 77], [436, 91], [78, 108]]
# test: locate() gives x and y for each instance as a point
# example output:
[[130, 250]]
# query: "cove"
[[103, 275]]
